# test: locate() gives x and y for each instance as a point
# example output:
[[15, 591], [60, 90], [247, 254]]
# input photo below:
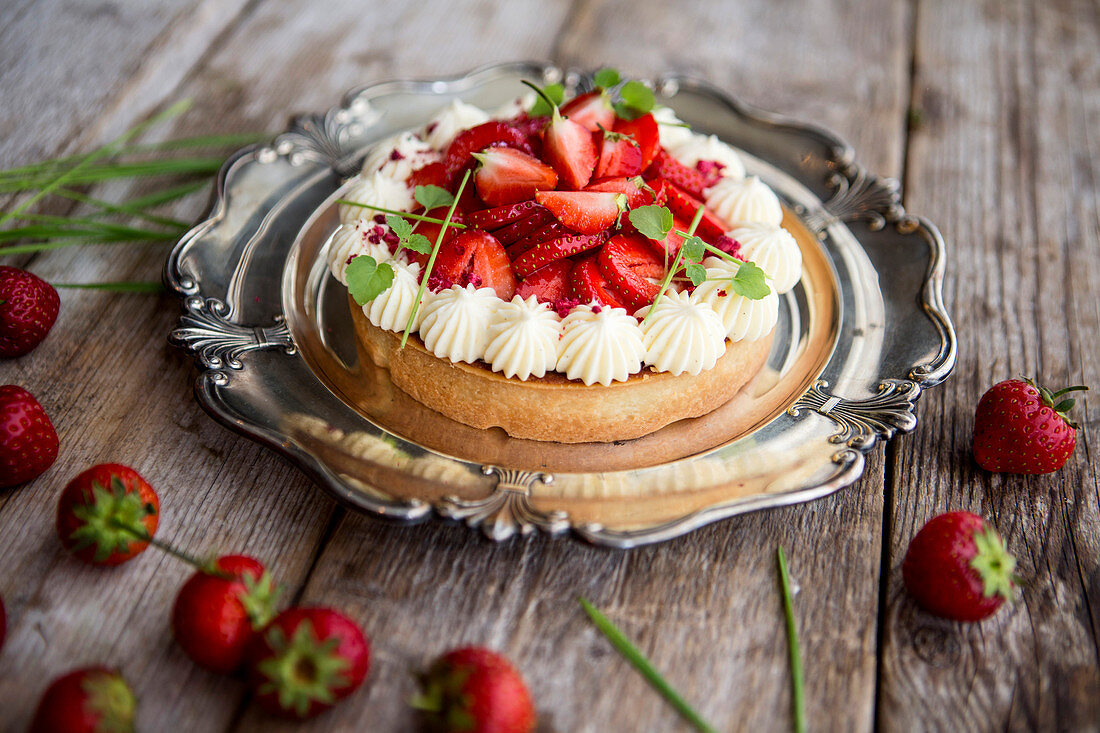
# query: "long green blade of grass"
[[797, 684], [113, 171], [115, 287], [126, 208]]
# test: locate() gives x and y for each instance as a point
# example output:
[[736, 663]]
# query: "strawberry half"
[[645, 134], [507, 176], [431, 231], [673, 171], [587, 284], [548, 284], [591, 109], [957, 567], [551, 230], [568, 146], [468, 142], [1021, 427], [476, 258], [630, 264], [433, 174], [525, 227], [637, 191], [619, 156], [492, 219], [546, 252], [683, 205], [587, 212]]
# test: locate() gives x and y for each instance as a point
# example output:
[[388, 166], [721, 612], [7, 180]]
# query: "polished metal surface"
[[858, 340]]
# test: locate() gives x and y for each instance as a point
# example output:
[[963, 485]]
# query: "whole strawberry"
[[307, 660], [28, 308], [89, 700], [107, 514], [957, 567], [28, 442], [219, 609], [475, 690], [1021, 427]]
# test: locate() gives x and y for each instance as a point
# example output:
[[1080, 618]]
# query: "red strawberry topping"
[[507, 176], [493, 219], [591, 109], [28, 309], [468, 142], [28, 441], [587, 212], [549, 284], [957, 567], [619, 156], [551, 230], [433, 174], [431, 231], [570, 149], [672, 170], [588, 284], [546, 252], [524, 228], [1021, 427], [631, 265], [637, 191], [684, 206], [643, 131], [476, 258]]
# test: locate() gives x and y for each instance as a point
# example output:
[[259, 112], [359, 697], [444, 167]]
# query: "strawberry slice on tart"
[[476, 258], [488, 134], [587, 284], [666, 167], [591, 109], [645, 134], [637, 191], [524, 227], [493, 219], [633, 268], [569, 147], [619, 156], [551, 230], [549, 284], [683, 206], [587, 212], [509, 176], [550, 250]]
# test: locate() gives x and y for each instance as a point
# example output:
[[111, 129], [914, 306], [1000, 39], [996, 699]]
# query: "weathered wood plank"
[[706, 608], [1005, 160]]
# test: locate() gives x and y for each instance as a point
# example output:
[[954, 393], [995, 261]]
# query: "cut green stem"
[[797, 697], [122, 286], [405, 214], [431, 260], [675, 263], [643, 665]]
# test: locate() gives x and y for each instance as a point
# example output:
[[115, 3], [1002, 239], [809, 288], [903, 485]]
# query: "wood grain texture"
[[1005, 158]]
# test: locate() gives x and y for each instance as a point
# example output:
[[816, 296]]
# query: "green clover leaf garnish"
[[606, 78], [400, 226], [696, 273], [367, 279], [654, 222], [542, 108], [635, 100], [432, 197], [750, 282], [694, 249]]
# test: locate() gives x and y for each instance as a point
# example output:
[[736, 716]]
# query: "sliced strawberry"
[[546, 252], [549, 283], [552, 230], [431, 231], [493, 219], [683, 205], [672, 170], [638, 193], [587, 212], [591, 109], [631, 265], [433, 174], [507, 176], [619, 156], [476, 257], [587, 284], [644, 132], [468, 142], [568, 146], [524, 227]]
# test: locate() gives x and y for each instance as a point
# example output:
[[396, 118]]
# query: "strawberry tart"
[[574, 271]]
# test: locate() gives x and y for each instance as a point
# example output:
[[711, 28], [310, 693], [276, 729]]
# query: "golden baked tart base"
[[553, 408]]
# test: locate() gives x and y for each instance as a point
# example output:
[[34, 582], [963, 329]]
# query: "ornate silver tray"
[[858, 339]]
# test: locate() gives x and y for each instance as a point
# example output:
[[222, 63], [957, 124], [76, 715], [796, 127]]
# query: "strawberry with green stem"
[[92, 700], [107, 515], [957, 567], [568, 147], [1022, 427], [475, 690], [306, 660]]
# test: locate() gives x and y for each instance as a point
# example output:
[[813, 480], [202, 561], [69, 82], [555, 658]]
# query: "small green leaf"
[[606, 78], [432, 197], [636, 99], [556, 94], [693, 249], [696, 273], [750, 282], [368, 279], [418, 243], [654, 222], [1065, 405], [399, 225]]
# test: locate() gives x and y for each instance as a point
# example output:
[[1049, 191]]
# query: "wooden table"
[[988, 112]]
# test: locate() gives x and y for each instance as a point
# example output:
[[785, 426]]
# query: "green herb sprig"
[[643, 665], [798, 703]]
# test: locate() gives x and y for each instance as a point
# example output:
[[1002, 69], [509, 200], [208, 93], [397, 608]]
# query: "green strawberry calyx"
[[112, 520], [444, 698], [302, 669], [259, 599], [994, 564], [110, 700], [1054, 400]]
